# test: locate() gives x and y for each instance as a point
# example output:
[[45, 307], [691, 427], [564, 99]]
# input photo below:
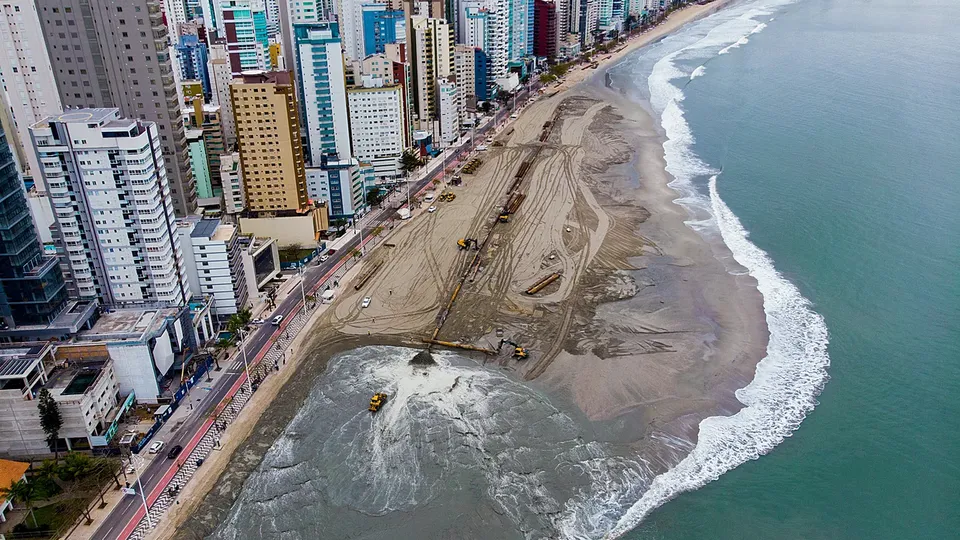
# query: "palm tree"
[[22, 491]]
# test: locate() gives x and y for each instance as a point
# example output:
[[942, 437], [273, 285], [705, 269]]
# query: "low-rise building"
[[342, 186], [82, 381], [261, 263], [11, 472]]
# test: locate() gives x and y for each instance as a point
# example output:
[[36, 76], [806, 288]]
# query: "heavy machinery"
[[467, 243], [518, 352], [504, 218], [377, 401]]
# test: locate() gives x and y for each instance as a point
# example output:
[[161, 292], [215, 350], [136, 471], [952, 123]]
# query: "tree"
[[374, 196], [22, 491], [356, 253], [377, 231], [547, 78], [50, 420], [239, 320], [410, 161]]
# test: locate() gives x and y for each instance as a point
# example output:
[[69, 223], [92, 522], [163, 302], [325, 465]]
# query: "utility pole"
[[143, 496]]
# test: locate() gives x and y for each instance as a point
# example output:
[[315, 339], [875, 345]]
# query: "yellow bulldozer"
[[377, 401]]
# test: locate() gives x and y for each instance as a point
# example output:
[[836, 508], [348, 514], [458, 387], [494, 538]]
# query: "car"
[[174, 452], [514, 115], [257, 321], [366, 302], [276, 320], [428, 197], [331, 252], [323, 258], [155, 447], [432, 209], [481, 148]]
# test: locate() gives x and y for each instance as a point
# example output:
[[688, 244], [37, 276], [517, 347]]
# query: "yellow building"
[[268, 138]]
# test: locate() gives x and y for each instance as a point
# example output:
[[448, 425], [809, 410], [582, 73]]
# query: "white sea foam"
[[794, 370], [698, 72]]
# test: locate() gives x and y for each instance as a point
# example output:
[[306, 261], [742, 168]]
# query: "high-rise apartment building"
[[381, 25], [29, 91], [234, 198], [113, 208], [322, 90], [545, 29], [465, 62], [377, 126], [192, 61], [433, 60], [212, 251], [207, 118], [268, 136], [32, 290], [448, 106], [116, 54], [221, 75], [243, 24]]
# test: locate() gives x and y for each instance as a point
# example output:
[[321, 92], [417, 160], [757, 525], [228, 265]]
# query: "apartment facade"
[[221, 75], [377, 126], [243, 23], [32, 289], [113, 209], [108, 54], [448, 98], [231, 178], [433, 60], [207, 118], [545, 29], [323, 92], [212, 251], [268, 136], [29, 90]]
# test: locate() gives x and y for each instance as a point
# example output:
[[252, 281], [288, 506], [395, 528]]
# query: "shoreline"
[[212, 493]]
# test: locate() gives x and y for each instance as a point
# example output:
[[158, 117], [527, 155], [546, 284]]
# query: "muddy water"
[[458, 451]]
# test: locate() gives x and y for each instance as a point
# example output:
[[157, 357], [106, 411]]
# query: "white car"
[[481, 148], [432, 209], [277, 320], [156, 447], [514, 115], [323, 258], [366, 302], [257, 321]]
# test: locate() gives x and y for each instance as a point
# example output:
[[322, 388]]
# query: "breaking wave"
[[792, 374]]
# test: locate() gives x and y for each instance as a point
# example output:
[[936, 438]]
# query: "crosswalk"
[[258, 372]]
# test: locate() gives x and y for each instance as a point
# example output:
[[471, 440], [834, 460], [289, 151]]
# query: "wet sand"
[[647, 326]]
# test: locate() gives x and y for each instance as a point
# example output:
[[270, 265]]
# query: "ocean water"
[[821, 140], [818, 139]]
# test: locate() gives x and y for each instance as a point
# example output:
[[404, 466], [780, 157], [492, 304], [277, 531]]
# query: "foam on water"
[[793, 372], [699, 72]]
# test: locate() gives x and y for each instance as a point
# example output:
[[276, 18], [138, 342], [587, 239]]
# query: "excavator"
[[467, 243], [518, 352], [377, 401], [504, 218]]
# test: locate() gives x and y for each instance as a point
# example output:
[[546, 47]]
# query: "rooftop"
[[224, 232], [205, 228], [127, 324], [85, 116], [16, 361], [73, 378], [10, 472]]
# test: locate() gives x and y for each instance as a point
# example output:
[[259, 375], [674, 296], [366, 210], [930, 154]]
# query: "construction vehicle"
[[377, 401], [518, 352], [467, 243], [504, 218]]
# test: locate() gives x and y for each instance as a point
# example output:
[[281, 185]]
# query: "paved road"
[[257, 344]]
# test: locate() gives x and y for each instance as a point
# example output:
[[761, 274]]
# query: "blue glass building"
[[32, 290], [193, 62], [380, 27]]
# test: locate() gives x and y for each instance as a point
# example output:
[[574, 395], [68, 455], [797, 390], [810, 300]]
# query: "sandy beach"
[[647, 328]]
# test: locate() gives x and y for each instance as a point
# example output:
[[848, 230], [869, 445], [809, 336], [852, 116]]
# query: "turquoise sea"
[[831, 130]]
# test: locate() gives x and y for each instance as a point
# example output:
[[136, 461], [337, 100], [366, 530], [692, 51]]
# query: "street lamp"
[[303, 294], [246, 366], [143, 496]]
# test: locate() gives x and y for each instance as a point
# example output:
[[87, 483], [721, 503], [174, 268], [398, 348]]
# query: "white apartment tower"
[[112, 206], [449, 111], [218, 64], [29, 87], [377, 126]]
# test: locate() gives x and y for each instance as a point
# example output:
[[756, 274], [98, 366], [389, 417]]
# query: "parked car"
[[481, 148], [514, 115], [366, 302], [155, 447], [432, 209], [174, 452], [331, 252], [257, 321], [276, 320]]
